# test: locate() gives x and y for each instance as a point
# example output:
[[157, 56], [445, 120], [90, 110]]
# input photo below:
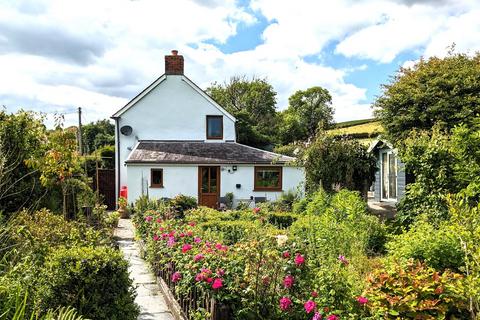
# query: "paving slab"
[[152, 304]]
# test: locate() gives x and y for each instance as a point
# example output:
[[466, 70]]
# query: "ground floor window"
[[268, 178], [156, 178]]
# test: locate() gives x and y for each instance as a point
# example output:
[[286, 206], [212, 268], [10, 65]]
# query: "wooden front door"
[[208, 186]]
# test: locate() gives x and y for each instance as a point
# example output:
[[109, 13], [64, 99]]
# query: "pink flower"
[[171, 241], [186, 247], [220, 272], [189, 233], [286, 254], [191, 224], [199, 277], [198, 257], [362, 300], [256, 210], [314, 294], [181, 235], [159, 220], [285, 303], [333, 317], [299, 259], [343, 259], [309, 306], [217, 283], [155, 237], [177, 276], [288, 281], [148, 218], [209, 280], [317, 316], [197, 240], [218, 246], [206, 271], [161, 228]]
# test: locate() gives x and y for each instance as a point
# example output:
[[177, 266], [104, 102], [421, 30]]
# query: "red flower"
[[288, 281], [209, 280], [189, 233], [186, 247], [155, 237], [285, 303], [256, 210], [198, 257], [191, 224], [333, 317], [199, 277], [220, 272], [159, 220], [299, 259], [286, 254], [309, 306], [181, 235], [148, 218], [362, 300], [314, 294], [177, 276], [217, 283], [218, 246], [161, 228]]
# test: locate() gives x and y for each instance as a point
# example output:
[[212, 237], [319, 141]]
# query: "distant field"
[[353, 123], [364, 131]]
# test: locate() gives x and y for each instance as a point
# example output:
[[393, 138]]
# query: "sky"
[[56, 56]]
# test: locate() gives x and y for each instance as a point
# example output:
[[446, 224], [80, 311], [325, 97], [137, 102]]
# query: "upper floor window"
[[214, 127]]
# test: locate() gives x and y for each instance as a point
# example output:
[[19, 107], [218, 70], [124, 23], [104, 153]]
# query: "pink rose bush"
[[197, 254]]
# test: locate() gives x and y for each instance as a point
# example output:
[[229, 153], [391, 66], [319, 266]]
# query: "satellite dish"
[[126, 130]]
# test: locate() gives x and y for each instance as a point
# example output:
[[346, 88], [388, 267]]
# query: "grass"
[[372, 128], [353, 123]]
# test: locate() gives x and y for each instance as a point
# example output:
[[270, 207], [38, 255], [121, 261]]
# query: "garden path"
[[151, 302]]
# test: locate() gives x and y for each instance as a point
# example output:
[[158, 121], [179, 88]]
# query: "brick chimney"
[[174, 63]]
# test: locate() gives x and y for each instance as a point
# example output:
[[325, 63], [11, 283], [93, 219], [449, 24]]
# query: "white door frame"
[[388, 153]]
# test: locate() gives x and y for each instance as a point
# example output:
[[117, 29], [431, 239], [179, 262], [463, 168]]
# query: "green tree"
[[98, 134], [61, 162], [308, 112], [22, 137], [252, 102], [442, 163], [435, 91], [332, 163]]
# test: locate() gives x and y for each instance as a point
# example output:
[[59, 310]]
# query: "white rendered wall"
[[171, 111], [184, 179]]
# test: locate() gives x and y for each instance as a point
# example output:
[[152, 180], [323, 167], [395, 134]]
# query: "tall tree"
[[435, 91], [308, 112], [22, 137], [252, 102], [98, 134]]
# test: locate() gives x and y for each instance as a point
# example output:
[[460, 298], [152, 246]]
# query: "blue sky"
[[58, 55]]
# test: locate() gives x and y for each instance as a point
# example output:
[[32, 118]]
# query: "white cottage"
[[172, 138]]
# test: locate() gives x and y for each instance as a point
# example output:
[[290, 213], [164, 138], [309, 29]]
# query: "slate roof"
[[200, 152]]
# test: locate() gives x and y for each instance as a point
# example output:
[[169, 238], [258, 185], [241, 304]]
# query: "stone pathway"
[[149, 298]]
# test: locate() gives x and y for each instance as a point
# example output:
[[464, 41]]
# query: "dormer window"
[[214, 127]]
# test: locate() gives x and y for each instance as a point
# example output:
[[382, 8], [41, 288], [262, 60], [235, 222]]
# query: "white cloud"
[[97, 54]]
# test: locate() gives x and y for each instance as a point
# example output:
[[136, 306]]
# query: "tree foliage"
[[21, 138], [333, 163], [435, 91], [308, 112], [98, 134], [252, 102], [442, 164]]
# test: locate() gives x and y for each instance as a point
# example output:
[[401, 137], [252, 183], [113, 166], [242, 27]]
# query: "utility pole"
[[80, 147]]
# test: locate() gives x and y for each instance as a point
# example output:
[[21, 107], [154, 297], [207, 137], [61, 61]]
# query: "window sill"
[[156, 186], [267, 190]]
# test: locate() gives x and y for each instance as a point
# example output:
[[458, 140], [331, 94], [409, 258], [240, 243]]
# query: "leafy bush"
[[415, 291], [439, 248], [282, 220], [94, 281], [182, 203], [319, 202]]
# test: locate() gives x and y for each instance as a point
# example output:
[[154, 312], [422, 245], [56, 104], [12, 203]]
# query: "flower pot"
[[123, 213]]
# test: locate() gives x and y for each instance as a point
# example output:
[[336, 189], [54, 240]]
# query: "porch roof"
[[201, 152]]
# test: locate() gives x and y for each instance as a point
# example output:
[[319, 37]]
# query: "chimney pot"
[[174, 63]]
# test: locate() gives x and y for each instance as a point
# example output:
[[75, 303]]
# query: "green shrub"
[[94, 281], [281, 220], [437, 247], [231, 232], [182, 203], [347, 204], [319, 202], [300, 206], [415, 291]]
